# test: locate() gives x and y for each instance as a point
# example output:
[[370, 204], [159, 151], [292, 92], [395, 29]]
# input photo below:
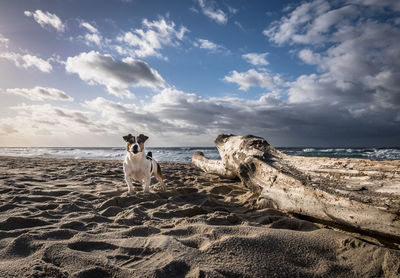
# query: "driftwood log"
[[354, 193]]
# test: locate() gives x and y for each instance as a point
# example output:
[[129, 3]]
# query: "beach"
[[74, 218]]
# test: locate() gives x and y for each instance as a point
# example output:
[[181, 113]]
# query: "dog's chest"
[[136, 168]]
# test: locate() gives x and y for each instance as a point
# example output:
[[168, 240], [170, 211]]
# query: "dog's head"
[[135, 144]]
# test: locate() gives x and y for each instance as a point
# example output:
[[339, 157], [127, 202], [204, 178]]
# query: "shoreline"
[[184, 154], [64, 217]]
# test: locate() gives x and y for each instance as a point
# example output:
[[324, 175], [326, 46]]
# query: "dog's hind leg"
[[158, 175], [128, 180]]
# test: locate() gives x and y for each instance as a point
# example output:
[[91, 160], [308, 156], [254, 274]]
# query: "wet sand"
[[74, 218]]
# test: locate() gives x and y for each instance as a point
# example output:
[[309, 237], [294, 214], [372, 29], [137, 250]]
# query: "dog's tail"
[[149, 155]]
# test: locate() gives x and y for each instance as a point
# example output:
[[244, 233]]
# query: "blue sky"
[[298, 73]]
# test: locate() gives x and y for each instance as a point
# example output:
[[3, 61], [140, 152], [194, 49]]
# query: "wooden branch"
[[212, 166]]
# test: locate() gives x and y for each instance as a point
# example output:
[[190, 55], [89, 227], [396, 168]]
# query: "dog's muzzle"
[[135, 148]]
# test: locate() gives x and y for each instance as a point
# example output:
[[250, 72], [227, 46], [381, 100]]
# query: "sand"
[[67, 218]]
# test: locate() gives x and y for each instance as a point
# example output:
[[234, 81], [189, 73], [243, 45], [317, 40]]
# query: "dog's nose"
[[135, 148]]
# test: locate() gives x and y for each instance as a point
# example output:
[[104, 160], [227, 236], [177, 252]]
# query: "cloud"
[[93, 38], [89, 27], [173, 117], [208, 9], [46, 19], [27, 61], [93, 35], [151, 39], [41, 94], [6, 129], [355, 56], [125, 117], [47, 119], [363, 54], [256, 59], [3, 41], [287, 28], [352, 97], [239, 25], [206, 44], [231, 9], [252, 77], [394, 5], [177, 116], [209, 45], [117, 76], [170, 113], [309, 57], [193, 10]]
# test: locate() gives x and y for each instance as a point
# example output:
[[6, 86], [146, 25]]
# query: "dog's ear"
[[128, 138], [142, 138]]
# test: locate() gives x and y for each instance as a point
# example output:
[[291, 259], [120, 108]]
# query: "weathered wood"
[[357, 193], [212, 166]]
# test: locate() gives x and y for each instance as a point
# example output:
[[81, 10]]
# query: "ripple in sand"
[[89, 246], [93, 272], [141, 231], [21, 246], [111, 211], [60, 234], [15, 222], [175, 268]]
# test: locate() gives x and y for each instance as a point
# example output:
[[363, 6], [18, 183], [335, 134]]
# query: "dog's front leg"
[[128, 180], [146, 185]]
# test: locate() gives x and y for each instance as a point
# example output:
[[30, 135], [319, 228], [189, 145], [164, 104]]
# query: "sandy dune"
[[65, 218]]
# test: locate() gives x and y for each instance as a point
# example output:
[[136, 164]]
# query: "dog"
[[140, 166]]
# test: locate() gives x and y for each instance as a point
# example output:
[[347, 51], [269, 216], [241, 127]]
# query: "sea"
[[185, 154]]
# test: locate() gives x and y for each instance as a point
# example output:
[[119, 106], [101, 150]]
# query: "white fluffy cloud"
[[309, 57], [27, 61], [40, 93], [252, 77], [206, 44], [209, 9], [117, 76], [151, 39], [93, 36], [46, 19], [287, 28], [209, 45], [256, 59]]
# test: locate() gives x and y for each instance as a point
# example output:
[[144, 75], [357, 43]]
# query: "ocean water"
[[185, 154]]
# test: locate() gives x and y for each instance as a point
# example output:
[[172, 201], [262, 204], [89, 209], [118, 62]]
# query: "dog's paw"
[[160, 187], [130, 193]]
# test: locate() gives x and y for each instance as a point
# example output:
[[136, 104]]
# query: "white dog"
[[138, 165]]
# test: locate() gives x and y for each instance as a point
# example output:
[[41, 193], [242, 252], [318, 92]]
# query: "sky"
[[298, 73]]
